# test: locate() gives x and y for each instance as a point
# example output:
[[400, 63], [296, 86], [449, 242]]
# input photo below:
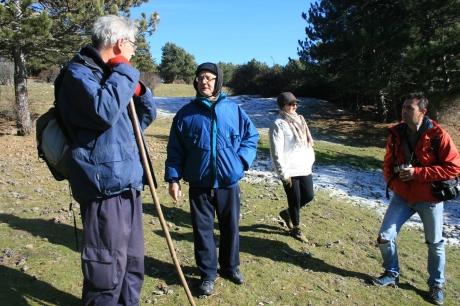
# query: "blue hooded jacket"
[[93, 101], [210, 144]]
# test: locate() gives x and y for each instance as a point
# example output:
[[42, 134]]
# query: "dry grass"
[[40, 266]]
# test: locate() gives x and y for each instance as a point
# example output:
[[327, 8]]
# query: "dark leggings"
[[298, 196]]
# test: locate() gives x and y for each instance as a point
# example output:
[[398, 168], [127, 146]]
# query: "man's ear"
[[117, 46]]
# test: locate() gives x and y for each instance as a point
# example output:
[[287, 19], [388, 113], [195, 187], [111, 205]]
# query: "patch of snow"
[[364, 188]]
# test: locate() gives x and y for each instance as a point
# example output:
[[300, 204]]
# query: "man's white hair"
[[110, 28]]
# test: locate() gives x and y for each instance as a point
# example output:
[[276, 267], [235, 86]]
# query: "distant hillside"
[[450, 119]]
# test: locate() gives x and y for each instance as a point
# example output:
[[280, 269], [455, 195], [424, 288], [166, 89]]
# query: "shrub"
[[48, 75], [150, 79]]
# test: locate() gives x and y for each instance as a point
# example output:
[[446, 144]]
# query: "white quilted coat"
[[288, 158]]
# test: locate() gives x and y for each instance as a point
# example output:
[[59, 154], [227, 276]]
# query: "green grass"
[[41, 97], [328, 153], [174, 90], [361, 157], [40, 266]]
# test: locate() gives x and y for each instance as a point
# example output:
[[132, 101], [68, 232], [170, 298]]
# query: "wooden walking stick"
[[145, 163]]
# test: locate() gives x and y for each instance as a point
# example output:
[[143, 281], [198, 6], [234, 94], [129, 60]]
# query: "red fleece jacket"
[[434, 166]]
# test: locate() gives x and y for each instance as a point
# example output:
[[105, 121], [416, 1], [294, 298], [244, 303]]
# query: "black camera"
[[398, 168]]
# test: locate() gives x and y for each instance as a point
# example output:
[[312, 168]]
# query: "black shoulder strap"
[[58, 82], [435, 144], [57, 87], [393, 147], [393, 159]]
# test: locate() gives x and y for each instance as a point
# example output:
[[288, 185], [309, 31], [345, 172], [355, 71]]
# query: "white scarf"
[[298, 126]]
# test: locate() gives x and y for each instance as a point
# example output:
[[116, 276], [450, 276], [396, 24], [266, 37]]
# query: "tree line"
[[355, 53], [359, 53], [376, 51]]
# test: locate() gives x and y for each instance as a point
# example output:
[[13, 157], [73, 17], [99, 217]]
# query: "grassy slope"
[[39, 264]]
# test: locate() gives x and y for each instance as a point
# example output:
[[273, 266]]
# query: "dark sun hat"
[[286, 98]]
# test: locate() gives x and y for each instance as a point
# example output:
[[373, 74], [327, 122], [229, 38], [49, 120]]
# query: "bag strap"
[[84, 60], [406, 146], [393, 158], [57, 113], [74, 219], [435, 144]]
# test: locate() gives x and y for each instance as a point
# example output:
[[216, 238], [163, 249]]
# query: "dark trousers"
[[298, 196], [225, 202], [113, 250]]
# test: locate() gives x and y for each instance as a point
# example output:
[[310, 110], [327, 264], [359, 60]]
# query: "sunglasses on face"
[[291, 104]]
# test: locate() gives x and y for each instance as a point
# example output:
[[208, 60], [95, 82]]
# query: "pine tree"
[[375, 52], [50, 31], [176, 64], [143, 59]]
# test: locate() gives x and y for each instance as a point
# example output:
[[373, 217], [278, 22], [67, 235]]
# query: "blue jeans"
[[398, 212]]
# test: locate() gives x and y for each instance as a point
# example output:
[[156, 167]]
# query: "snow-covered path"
[[361, 187]]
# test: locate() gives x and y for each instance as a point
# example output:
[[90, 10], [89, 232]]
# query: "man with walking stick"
[[211, 143], [105, 172]]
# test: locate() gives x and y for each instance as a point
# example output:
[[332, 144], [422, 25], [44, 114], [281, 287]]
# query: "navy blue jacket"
[[210, 144], [93, 101]]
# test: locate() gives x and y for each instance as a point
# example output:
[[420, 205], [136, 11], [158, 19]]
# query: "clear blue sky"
[[233, 31]]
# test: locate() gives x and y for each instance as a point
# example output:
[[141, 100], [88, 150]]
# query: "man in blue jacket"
[[211, 143], [105, 171]]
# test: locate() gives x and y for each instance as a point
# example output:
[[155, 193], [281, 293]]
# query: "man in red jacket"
[[411, 165]]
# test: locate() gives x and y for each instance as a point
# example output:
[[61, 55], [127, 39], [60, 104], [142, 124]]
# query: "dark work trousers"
[[225, 202], [298, 196], [113, 250]]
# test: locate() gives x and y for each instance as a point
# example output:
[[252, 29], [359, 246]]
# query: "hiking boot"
[[437, 295], [284, 214], [386, 279], [206, 287], [297, 234], [234, 276]]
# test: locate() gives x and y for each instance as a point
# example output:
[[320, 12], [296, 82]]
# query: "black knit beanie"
[[215, 69]]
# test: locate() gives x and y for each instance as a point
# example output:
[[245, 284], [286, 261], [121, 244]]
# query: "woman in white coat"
[[291, 150]]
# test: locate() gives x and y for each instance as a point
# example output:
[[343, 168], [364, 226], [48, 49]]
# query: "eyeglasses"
[[291, 104], [133, 44], [206, 78]]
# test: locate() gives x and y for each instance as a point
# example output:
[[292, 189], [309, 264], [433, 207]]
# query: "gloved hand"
[[119, 59], [287, 182]]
